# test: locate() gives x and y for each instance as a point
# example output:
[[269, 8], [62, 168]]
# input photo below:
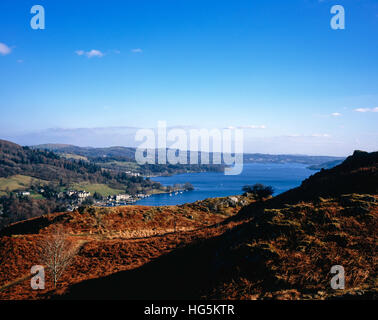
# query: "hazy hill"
[[128, 154], [123, 159], [289, 158]]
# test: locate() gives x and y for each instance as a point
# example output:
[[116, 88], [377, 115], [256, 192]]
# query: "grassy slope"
[[74, 156], [18, 182]]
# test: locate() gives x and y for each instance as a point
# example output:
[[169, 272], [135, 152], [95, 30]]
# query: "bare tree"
[[57, 253]]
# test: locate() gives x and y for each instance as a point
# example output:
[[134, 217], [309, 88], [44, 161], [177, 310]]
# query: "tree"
[[88, 201], [57, 253], [188, 186], [97, 196], [259, 190]]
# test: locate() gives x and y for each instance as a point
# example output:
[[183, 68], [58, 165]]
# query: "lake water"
[[215, 184]]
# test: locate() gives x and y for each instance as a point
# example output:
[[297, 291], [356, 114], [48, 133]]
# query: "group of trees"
[[176, 187], [170, 169], [16, 208], [47, 165], [259, 191]]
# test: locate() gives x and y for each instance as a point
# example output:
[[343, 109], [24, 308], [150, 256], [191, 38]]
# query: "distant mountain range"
[[128, 154]]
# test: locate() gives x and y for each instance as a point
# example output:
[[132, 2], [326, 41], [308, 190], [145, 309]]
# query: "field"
[[74, 156], [102, 189], [17, 182], [21, 182]]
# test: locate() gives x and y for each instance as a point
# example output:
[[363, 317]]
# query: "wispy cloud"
[[366, 109], [90, 54], [4, 49], [262, 126], [137, 50], [314, 135], [320, 135], [336, 114], [253, 126]]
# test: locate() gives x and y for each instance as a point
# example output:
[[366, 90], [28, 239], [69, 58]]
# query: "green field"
[[102, 189], [36, 196], [17, 182], [74, 156]]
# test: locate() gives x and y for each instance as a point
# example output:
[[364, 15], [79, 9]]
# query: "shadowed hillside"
[[357, 174]]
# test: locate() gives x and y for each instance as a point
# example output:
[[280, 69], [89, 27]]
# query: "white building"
[[70, 193], [122, 197], [133, 174], [24, 193], [83, 194]]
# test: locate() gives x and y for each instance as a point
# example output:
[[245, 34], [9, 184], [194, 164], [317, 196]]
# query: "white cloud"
[[4, 49], [90, 54], [336, 114], [137, 50], [94, 53], [293, 135], [366, 109]]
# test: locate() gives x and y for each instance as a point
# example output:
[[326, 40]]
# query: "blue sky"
[[275, 66]]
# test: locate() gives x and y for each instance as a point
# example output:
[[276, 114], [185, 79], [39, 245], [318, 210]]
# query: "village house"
[[80, 194], [122, 197], [133, 174], [70, 193], [23, 193], [83, 194]]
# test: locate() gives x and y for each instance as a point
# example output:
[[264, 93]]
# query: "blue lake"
[[215, 184]]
